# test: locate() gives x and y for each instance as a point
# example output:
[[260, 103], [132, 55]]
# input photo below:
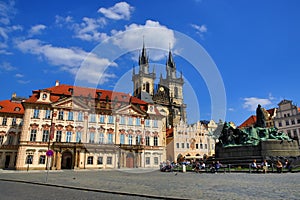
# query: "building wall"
[[287, 119], [191, 140], [84, 153]]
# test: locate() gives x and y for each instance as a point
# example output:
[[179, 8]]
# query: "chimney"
[[14, 95], [57, 83]]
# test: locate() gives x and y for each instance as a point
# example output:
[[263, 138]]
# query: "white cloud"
[[154, 34], [36, 30], [88, 29], [69, 59], [19, 75], [7, 66], [121, 10], [7, 11], [61, 21], [200, 30], [251, 103]]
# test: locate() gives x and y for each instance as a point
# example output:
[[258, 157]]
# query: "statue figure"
[[260, 117]]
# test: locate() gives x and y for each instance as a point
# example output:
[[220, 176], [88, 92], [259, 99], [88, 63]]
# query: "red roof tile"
[[69, 90], [249, 122], [6, 106]]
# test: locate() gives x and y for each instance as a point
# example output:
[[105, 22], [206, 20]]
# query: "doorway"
[[66, 161], [130, 160], [7, 161]]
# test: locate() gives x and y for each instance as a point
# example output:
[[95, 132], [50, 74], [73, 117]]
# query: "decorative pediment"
[[131, 110], [71, 104]]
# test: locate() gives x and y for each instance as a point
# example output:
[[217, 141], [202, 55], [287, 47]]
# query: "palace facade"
[[84, 128]]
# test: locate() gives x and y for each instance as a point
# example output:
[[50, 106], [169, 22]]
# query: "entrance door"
[[7, 161], [66, 161], [129, 160]]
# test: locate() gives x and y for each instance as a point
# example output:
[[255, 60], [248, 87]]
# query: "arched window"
[[147, 87]]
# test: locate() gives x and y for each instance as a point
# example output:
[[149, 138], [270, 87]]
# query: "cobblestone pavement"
[[153, 183]]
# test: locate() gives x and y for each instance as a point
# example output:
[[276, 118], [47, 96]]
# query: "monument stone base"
[[264, 150]]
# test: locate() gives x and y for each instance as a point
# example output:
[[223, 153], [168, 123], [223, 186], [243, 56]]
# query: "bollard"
[[183, 168]]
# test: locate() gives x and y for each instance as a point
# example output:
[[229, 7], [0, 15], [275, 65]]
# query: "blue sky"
[[253, 44]]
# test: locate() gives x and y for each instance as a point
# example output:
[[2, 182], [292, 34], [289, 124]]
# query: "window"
[[138, 140], [111, 119], [298, 121], [147, 140], [90, 160], [80, 117], [58, 136], [29, 159], [61, 115], [130, 121], [155, 123], [101, 118], [48, 114], [287, 122], [44, 96], [122, 139], [4, 121], [175, 92], [100, 160], [293, 121], [10, 139], [109, 160], [155, 160], [14, 121], [42, 159], [147, 122], [36, 113], [92, 138], [70, 116], [187, 145], [279, 124], [155, 141], [130, 139], [138, 121], [78, 136], [205, 145], [69, 136], [201, 146], [147, 160], [1, 139], [33, 135], [110, 138], [177, 145], [92, 117], [197, 146], [101, 138], [45, 136], [122, 120], [182, 145]]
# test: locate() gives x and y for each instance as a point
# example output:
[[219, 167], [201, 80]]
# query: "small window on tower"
[[44, 96]]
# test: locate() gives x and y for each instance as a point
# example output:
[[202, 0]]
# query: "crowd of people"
[[215, 166], [264, 166], [197, 166]]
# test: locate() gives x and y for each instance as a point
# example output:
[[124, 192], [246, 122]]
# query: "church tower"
[[143, 81], [168, 93], [173, 87]]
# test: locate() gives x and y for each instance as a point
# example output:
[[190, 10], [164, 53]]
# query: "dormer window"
[[1, 107], [44, 96], [16, 109]]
